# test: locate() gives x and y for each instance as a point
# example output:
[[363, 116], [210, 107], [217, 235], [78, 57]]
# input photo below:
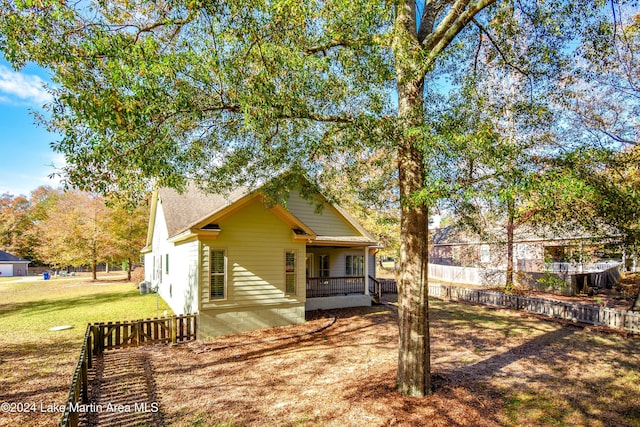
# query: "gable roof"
[[195, 209], [7, 257], [182, 211]]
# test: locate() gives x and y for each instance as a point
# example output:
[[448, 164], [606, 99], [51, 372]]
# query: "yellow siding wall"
[[255, 241], [231, 321], [325, 223]]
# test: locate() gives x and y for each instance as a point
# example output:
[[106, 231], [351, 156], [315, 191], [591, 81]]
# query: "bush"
[[137, 275], [550, 283]]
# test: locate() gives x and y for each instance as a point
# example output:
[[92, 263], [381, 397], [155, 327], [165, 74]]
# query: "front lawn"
[[36, 364]]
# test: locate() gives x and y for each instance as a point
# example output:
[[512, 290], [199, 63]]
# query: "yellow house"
[[242, 264]]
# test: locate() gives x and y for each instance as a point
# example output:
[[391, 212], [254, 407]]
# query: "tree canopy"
[[71, 229]]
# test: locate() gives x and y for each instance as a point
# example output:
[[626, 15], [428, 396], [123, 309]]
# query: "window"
[[485, 254], [290, 272], [218, 273], [323, 265], [355, 265], [166, 264], [157, 268]]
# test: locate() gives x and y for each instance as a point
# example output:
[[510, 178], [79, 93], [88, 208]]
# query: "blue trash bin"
[[45, 275]]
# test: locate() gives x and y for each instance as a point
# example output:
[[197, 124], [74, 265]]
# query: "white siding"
[[179, 285], [6, 270], [372, 265], [183, 277]]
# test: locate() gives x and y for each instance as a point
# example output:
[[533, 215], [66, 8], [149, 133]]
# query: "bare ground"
[[490, 368]]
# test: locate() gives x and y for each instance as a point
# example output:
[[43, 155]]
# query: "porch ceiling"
[[341, 241]]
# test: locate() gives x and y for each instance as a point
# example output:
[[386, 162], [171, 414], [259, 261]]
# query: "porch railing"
[[592, 267], [334, 286]]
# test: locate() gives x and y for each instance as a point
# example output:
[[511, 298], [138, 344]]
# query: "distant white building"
[[11, 265]]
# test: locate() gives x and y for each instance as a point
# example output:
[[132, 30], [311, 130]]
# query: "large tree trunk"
[[414, 373], [415, 48]]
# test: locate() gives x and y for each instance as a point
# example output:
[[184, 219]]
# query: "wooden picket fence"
[[164, 330], [623, 320], [111, 335]]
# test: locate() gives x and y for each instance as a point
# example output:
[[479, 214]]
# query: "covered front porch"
[[339, 277]]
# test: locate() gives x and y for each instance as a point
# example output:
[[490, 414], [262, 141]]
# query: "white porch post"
[[366, 270]]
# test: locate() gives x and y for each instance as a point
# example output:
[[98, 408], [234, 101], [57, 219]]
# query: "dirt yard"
[[490, 368]]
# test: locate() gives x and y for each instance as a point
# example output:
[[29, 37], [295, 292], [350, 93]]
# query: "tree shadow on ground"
[[534, 347], [345, 374], [39, 374], [450, 405]]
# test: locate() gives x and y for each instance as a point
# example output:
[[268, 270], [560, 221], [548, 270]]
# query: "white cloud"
[[24, 87]]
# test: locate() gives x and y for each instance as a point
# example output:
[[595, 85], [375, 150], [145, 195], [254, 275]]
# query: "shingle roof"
[[7, 257], [184, 210], [193, 205]]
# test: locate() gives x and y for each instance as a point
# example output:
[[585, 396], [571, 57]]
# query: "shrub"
[[137, 275], [550, 282]]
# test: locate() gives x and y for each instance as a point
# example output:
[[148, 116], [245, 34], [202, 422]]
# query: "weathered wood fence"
[[623, 320], [595, 315], [106, 336], [164, 330]]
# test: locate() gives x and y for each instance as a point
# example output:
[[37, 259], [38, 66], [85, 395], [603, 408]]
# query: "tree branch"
[[428, 19], [501, 53], [447, 24], [475, 59], [324, 48], [457, 19]]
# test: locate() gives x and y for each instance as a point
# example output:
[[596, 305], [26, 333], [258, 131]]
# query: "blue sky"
[[26, 157]]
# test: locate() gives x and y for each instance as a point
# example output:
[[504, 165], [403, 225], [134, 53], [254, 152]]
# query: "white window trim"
[[294, 273], [223, 274]]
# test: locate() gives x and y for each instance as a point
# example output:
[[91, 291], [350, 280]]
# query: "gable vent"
[[211, 227]]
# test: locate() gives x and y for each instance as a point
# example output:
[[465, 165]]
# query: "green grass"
[[36, 364], [29, 309], [550, 374]]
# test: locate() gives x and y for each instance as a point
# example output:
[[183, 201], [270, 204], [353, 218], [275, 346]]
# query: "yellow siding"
[[255, 241], [238, 319], [324, 223]]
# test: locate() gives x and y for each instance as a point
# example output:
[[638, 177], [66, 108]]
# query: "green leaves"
[[229, 93]]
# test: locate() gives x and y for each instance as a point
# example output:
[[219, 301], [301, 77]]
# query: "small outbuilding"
[[11, 265]]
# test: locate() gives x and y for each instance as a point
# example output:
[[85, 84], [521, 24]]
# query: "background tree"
[[18, 215], [500, 142], [236, 92], [599, 180], [72, 233], [14, 225], [125, 233]]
